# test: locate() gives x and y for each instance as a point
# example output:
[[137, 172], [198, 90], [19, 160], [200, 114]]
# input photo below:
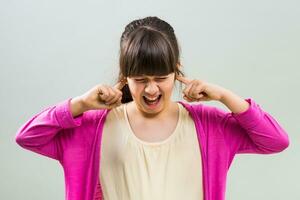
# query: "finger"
[[191, 99], [118, 92], [196, 90], [114, 99], [183, 79], [204, 98], [120, 84], [103, 93], [188, 99], [187, 89], [120, 100], [111, 96]]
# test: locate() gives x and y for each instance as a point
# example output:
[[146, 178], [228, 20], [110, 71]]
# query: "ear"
[[179, 66], [124, 79]]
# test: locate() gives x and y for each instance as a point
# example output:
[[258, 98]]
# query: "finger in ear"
[[186, 91]]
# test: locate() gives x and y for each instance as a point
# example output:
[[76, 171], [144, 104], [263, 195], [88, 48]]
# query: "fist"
[[103, 96], [198, 90]]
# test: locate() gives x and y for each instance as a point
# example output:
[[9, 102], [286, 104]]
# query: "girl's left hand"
[[197, 90]]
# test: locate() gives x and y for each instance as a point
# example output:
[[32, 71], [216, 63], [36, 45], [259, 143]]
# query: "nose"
[[151, 88]]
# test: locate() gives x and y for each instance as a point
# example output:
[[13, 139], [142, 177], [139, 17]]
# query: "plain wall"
[[53, 50]]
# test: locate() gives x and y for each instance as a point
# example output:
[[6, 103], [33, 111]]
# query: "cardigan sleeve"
[[41, 133], [252, 131]]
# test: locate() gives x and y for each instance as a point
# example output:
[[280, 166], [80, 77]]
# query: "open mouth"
[[152, 101]]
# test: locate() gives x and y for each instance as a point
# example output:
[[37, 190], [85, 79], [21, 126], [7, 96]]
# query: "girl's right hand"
[[103, 96]]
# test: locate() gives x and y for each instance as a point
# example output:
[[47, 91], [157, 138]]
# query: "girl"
[[132, 142]]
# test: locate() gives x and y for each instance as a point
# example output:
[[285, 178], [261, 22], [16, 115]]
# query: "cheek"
[[168, 87], [135, 90]]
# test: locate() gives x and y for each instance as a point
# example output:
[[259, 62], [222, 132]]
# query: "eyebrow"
[[143, 77]]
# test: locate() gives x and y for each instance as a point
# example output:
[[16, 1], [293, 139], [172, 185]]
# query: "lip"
[[153, 106], [152, 98]]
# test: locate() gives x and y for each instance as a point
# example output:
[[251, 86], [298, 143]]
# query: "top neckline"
[[153, 143]]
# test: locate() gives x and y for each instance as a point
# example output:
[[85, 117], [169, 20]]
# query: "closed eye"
[[139, 80], [161, 79], [144, 80]]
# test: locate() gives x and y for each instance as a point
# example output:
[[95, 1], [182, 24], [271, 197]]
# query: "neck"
[[170, 109]]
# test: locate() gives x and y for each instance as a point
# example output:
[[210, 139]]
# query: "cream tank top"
[[133, 169]]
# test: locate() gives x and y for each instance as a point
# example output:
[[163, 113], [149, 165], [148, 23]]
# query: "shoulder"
[[212, 115], [94, 117], [97, 118], [203, 111]]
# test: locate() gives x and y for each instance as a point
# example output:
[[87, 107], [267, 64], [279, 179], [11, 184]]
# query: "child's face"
[[152, 94]]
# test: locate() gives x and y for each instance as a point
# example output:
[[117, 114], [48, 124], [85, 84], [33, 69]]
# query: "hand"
[[103, 96], [197, 90]]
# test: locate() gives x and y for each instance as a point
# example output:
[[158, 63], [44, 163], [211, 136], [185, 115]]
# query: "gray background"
[[53, 50]]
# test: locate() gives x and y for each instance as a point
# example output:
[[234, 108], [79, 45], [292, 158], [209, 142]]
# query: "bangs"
[[147, 52]]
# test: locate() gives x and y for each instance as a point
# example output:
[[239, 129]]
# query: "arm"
[[233, 102], [247, 129], [252, 130], [77, 106], [41, 133], [51, 130], [264, 134]]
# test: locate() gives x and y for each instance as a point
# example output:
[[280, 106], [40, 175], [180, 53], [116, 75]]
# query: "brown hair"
[[148, 46]]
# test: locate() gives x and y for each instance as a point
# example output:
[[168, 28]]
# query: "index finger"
[[183, 79], [120, 84]]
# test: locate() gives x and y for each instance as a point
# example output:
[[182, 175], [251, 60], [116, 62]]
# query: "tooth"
[[152, 99]]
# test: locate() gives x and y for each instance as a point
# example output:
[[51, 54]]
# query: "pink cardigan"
[[76, 143]]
